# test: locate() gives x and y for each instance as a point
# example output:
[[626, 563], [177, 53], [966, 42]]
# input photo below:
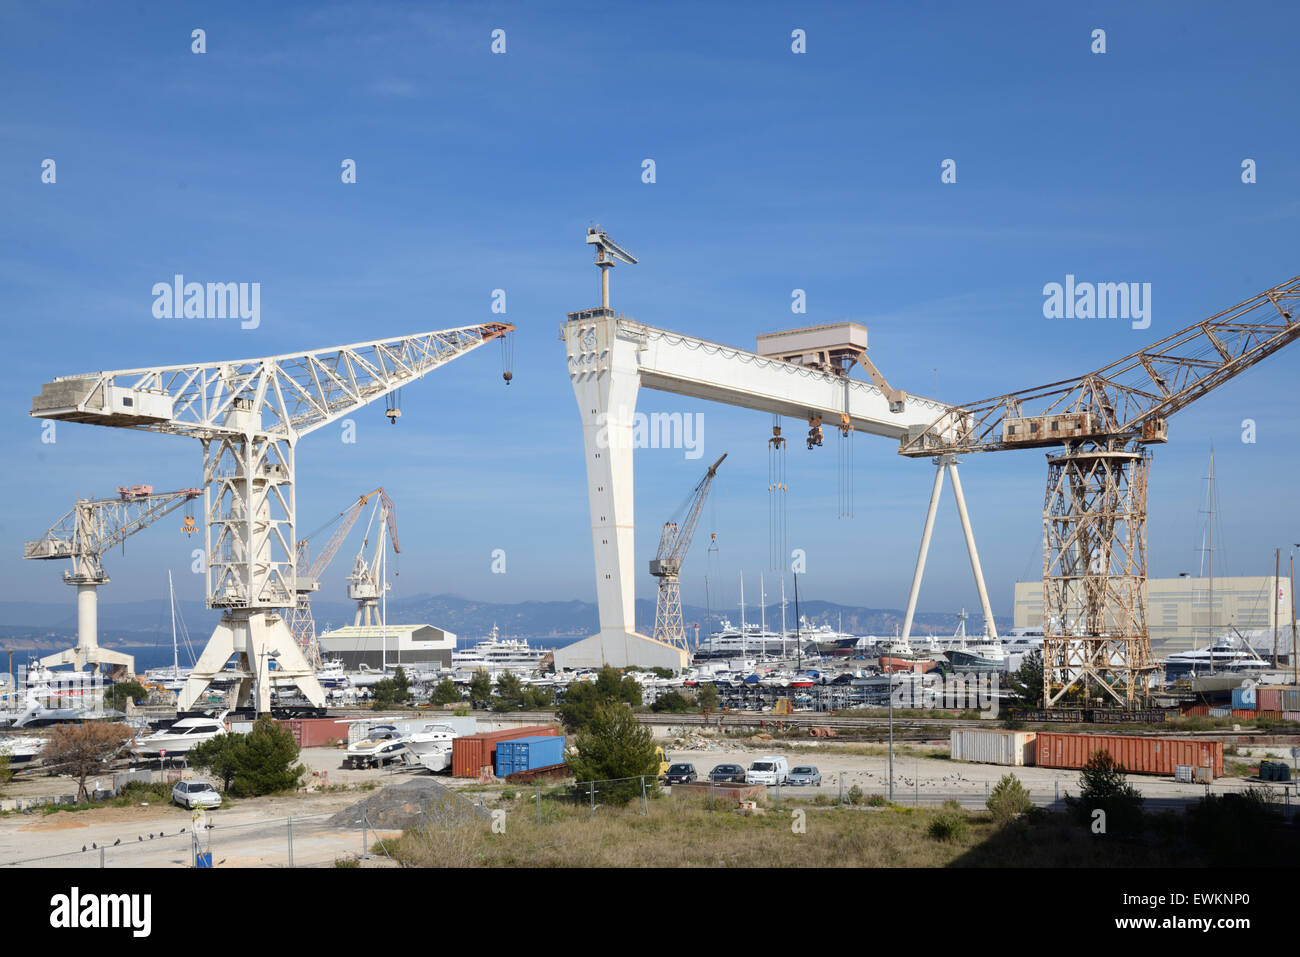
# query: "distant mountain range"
[[50, 626]]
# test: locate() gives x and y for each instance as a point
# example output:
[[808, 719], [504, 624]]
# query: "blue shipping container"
[[1243, 699], [528, 754]]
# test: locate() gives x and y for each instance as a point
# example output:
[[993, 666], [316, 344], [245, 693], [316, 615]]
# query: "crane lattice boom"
[[1130, 398], [278, 396], [93, 526]]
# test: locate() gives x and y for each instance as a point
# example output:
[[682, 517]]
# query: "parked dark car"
[[681, 774], [727, 774]]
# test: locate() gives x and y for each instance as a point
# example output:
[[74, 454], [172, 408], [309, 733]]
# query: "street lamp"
[[263, 665]]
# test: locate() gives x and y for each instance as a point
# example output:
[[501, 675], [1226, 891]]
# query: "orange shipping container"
[[1138, 755], [471, 753]]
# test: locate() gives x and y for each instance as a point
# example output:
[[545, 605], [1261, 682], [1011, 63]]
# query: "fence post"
[[645, 802], [841, 787], [101, 857], [1058, 791], [986, 792], [592, 789], [778, 793], [291, 840], [711, 787], [539, 804]]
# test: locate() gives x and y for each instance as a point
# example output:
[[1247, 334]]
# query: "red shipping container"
[[316, 732], [1138, 755], [1197, 711], [1277, 698], [473, 752]]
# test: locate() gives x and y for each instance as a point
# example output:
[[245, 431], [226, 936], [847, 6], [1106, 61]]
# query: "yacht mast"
[[171, 591], [743, 636], [1211, 608], [783, 631]]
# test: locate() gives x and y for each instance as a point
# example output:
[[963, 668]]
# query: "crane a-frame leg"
[[948, 463]]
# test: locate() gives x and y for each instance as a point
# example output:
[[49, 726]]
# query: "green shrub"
[[948, 827], [140, 792], [876, 800], [1008, 800], [248, 765], [1104, 787], [616, 748], [855, 795]]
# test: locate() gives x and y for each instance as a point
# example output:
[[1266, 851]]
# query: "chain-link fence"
[[306, 841]]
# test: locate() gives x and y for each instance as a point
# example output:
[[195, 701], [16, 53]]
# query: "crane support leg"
[[88, 651], [949, 464], [603, 367], [258, 638], [924, 551], [1095, 572], [990, 629]]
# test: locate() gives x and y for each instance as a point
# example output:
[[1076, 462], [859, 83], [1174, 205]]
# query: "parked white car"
[[192, 794], [769, 770]]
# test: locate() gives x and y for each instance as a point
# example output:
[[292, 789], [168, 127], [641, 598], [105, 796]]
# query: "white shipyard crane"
[[674, 543], [248, 415], [92, 527], [367, 583], [301, 622]]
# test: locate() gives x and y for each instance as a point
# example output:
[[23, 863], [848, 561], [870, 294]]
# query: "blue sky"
[[775, 171]]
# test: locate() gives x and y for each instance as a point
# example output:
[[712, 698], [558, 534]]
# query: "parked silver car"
[[192, 794], [805, 774]]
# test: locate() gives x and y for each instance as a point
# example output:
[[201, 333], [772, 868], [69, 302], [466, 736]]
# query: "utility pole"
[[1295, 667], [1277, 597]]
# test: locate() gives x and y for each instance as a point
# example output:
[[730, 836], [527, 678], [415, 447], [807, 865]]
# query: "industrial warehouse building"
[[1179, 614], [422, 646]]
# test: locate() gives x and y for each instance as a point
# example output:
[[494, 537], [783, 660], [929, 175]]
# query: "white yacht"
[[496, 655], [47, 697], [1228, 654], [732, 642], [178, 738], [431, 746]]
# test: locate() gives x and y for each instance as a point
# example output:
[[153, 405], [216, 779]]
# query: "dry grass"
[[678, 834]]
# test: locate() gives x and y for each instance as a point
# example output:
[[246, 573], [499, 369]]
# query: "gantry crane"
[[1094, 516], [301, 622], [367, 583], [608, 254], [92, 527], [674, 542], [248, 415]]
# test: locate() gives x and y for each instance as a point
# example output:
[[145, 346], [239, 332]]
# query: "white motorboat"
[[179, 737], [431, 746], [382, 745], [21, 749]]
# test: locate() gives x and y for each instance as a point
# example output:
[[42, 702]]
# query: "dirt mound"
[[410, 804]]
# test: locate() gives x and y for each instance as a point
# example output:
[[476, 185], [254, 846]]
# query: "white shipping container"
[[987, 746]]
